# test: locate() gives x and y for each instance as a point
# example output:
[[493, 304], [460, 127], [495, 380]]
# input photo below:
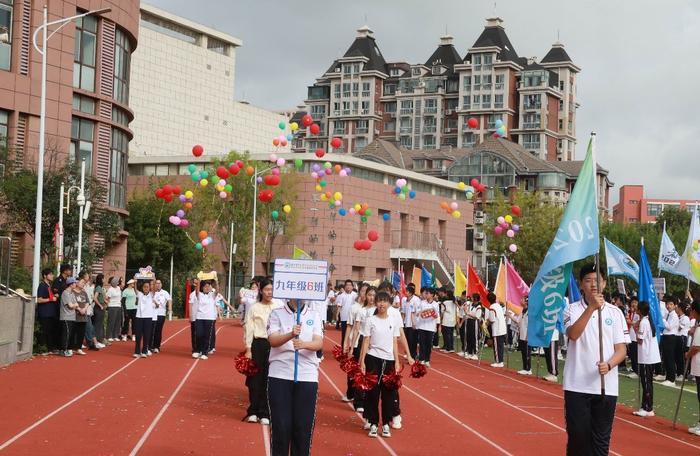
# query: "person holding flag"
[[648, 356]]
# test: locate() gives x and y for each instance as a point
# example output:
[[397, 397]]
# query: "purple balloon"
[[348, 170], [180, 213], [316, 167], [516, 228], [182, 198], [259, 179]]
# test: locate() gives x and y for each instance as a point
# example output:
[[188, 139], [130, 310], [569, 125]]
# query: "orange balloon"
[[444, 205], [188, 205], [328, 195], [337, 168], [250, 170], [203, 235], [365, 206], [449, 210]]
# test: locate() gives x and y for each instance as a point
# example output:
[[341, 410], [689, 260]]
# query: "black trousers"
[[143, 327], [157, 336], [525, 354], [412, 339], [646, 378], [425, 342], [436, 337], [462, 331], [632, 350], [67, 330], [668, 347], [499, 343], [98, 321], [448, 338], [388, 397], [550, 356], [292, 416], [681, 347], [204, 328], [472, 325], [357, 396], [114, 322], [257, 384], [129, 317], [212, 342], [49, 333], [193, 335], [343, 329], [589, 421], [77, 335]]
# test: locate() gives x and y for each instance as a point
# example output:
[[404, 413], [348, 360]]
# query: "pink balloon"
[[454, 205], [498, 230], [352, 210], [222, 195], [501, 220], [329, 171], [273, 157], [337, 203], [513, 248], [342, 173], [510, 233], [281, 161], [275, 171], [184, 223]]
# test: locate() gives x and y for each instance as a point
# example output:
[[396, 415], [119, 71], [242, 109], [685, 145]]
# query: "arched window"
[[488, 167]]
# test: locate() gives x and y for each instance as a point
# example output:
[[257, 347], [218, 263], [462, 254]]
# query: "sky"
[[638, 87]]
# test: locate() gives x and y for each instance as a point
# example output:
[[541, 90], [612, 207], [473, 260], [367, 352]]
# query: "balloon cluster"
[[186, 199], [468, 190], [477, 186], [366, 244], [363, 210], [283, 139], [318, 172], [451, 208], [204, 240], [506, 226], [167, 191], [276, 215], [401, 189], [500, 129], [179, 219]]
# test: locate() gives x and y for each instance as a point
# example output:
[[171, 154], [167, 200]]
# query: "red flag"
[[475, 285], [188, 290]]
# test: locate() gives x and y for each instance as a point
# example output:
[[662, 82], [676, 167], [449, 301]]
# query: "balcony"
[[468, 142], [430, 110], [466, 106], [318, 115], [532, 106], [364, 112], [486, 105], [346, 94], [339, 131], [498, 105], [486, 86], [362, 130], [336, 112], [499, 86], [391, 114], [531, 145], [468, 88], [365, 94], [406, 111], [429, 128], [346, 112], [355, 93], [419, 245], [406, 130], [532, 125], [477, 86]]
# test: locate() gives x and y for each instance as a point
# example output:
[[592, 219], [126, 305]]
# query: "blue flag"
[[576, 238], [648, 293], [426, 278], [396, 280], [619, 263], [574, 292]]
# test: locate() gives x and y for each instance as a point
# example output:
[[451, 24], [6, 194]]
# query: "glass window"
[[83, 104], [654, 209], [85, 53], [4, 122], [5, 33], [120, 116], [390, 107], [390, 126], [117, 169], [492, 170], [217, 46], [82, 140], [168, 28], [551, 180], [122, 65]]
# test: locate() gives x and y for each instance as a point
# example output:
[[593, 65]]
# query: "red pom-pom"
[[349, 366], [365, 382], [245, 366], [392, 380], [338, 353], [418, 370]]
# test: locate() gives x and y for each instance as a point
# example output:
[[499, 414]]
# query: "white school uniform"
[[161, 297], [633, 333], [382, 333], [521, 321], [145, 307], [408, 309], [363, 319], [671, 324], [345, 301], [206, 306], [282, 320], [683, 325], [581, 366], [475, 311], [449, 315], [395, 315], [193, 306], [498, 320], [648, 352], [354, 317], [695, 360], [429, 323]]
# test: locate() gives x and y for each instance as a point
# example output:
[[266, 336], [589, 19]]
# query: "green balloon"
[[198, 246], [228, 188], [368, 212], [363, 219], [327, 165], [214, 179], [282, 125], [405, 189], [204, 174], [192, 168], [298, 162], [331, 205], [322, 183], [275, 215], [195, 177]]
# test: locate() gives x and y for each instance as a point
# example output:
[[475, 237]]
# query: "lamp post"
[[254, 178], [44, 28]]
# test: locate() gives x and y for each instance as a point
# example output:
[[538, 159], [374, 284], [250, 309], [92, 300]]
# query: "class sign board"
[[300, 279]]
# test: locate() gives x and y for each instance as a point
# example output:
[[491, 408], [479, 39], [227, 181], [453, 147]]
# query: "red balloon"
[[475, 182], [315, 129], [515, 210], [266, 195], [167, 189], [197, 150], [221, 172], [159, 193], [336, 143], [307, 120], [283, 143], [271, 180], [320, 153], [177, 190], [357, 245], [276, 142], [168, 198], [373, 236], [472, 122], [366, 245], [240, 163], [234, 169]]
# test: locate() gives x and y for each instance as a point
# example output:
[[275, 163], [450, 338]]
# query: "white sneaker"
[[551, 378], [366, 426], [632, 375], [372, 430], [204, 357], [396, 422], [643, 413], [81, 352], [427, 364], [133, 338], [100, 345], [668, 383], [213, 350], [196, 355], [474, 357], [345, 399], [659, 378], [252, 419], [496, 364], [110, 340], [143, 355], [265, 421], [695, 429], [83, 347], [524, 372], [360, 409], [156, 350], [70, 352], [386, 432], [149, 353], [464, 355], [136, 355]]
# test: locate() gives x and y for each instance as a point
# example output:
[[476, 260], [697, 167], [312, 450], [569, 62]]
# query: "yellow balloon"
[[203, 182], [509, 218], [357, 207], [189, 194], [287, 208], [461, 186], [338, 196], [324, 197], [318, 188], [294, 126], [456, 214]]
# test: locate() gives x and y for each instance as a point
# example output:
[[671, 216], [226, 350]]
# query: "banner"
[[648, 293], [426, 278], [475, 285], [577, 237], [416, 278], [619, 263], [500, 288], [460, 280], [691, 254], [669, 259], [516, 289], [300, 279]]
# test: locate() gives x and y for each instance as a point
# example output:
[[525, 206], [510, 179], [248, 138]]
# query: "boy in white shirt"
[[427, 320], [410, 304], [523, 347], [474, 315], [344, 301], [648, 356], [497, 318], [669, 342]]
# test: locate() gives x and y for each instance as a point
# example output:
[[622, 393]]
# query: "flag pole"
[[597, 268]]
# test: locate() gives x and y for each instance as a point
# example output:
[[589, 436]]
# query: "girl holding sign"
[[293, 400]]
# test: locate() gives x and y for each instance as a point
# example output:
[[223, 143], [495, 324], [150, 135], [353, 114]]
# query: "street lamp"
[[254, 179], [84, 206], [44, 28]]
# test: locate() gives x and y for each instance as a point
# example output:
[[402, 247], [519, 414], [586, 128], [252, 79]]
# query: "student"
[[247, 297], [344, 301], [67, 316], [410, 304], [589, 415], [693, 356], [497, 319], [258, 349], [114, 310], [633, 323], [395, 314], [462, 307], [427, 319], [89, 289], [669, 341], [99, 300], [192, 301], [83, 301], [523, 347], [47, 311], [206, 317], [475, 313], [360, 331], [129, 310], [164, 305], [551, 355], [380, 355], [648, 356], [349, 348], [143, 325], [293, 404], [682, 339], [448, 322]]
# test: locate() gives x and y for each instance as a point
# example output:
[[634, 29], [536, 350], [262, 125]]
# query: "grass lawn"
[[665, 398]]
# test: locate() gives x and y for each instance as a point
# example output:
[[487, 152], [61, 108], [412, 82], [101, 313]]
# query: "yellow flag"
[[460, 281], [501, 290], [416, 278], [300, 254]]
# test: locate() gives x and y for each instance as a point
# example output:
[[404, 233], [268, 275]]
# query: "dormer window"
[[395, 72], [416, 72], [438, 69]]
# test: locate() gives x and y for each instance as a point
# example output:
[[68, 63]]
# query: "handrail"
[[422, 241]]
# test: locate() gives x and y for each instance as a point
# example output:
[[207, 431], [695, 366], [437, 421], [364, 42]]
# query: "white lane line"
[[379, 438], [562, 397], [76, 398], [266, 439], [170, 400]]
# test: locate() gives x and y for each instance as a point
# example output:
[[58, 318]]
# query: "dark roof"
[[556, 54], [389, 153], [445, 55], [366, 46], [495, 35], [573, 167], [524, 161]]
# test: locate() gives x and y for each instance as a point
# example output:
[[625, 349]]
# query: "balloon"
[[168, 198], [240, 163], [195, 177], [338, 196], [249, 171], [324, 197], [205, 242], [320, 153], [266, 195], [515, 210], [177, 189], [223, 194], [228, 188], [272, 180], [461, 186], [159, 193], [318, 188], [328, 171], [366, 245], [363, 219], [314, 175], [203, 235], [188, 205], [510, 233], [203, 182], [184, 223], [397, 190], [337, 203], [469, 195], [342, 173], [357, 245], [327, 165], [273, 158], [204, 174], [501, 220], [259, 180], [287, 208], [412, 194], [368, 212], [182, 198], [402, 197], [336, 143], [454, 206], [498, 230], [275, 215], [475, 182], [456, 214], [513, 248], [322, 183], [352, 211], [314, 129], [221, 183], [509, 218], [444, 205], [307, 120], [281, 161], [197, 150], [222, 172], [373, 236], [386, 216], [234, 169], [342, 212], [516, 228], [281, 125], [472, 122], [198, 246], [192, 168], [276, 142], [400, 182], [405, 189], [294, 126], [298, 163], [180, 213], [348, 170], [499, 123], [337, 168]]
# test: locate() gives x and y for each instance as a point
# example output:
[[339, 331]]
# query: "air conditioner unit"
[[479, 236], [479, 247], [478, 220], [479, 214]]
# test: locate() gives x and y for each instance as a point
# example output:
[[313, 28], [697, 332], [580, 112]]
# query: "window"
[[486, 100], [499, 81], [365, 107], [365, 89], [491, 170], [347, 69], [339, 127], [217, 46], [476, 60], [551, 180], [416, 72], [437, 164], [336, 90], [355, 89], [395, 72], [122, 66], [168, 28], [390, 125], [561, 105], [81, 144], [429, 143], [390, 107], [360, 143], [419, 163], [451, 103], [85, 53], [84, 104], [117, 169], [405, 141], [362, 126], [5, 33], [654, 209], [355, 68], [346, 89], [389, 88], [120, 116], [498, 101]]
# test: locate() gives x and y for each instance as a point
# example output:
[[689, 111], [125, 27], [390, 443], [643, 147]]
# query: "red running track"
[[108, 403]]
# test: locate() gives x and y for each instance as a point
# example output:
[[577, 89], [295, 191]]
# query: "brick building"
[[635, 207]]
